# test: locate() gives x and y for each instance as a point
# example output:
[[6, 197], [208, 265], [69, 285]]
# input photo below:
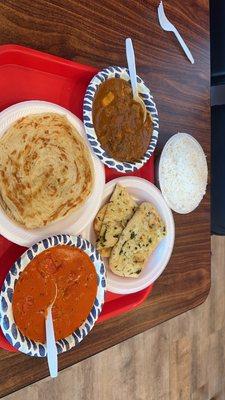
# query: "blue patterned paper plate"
[[144, 92], [7, 323]]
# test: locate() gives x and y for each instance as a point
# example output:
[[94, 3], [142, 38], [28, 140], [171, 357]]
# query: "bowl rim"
[[159, 168], [144, 91], [7, 322]]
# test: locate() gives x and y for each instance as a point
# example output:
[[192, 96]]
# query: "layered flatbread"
[[46, 171]]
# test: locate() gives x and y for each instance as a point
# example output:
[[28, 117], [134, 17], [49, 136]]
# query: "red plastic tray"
[[27, 74]]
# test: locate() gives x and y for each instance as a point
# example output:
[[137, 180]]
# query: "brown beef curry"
[[118, 121]]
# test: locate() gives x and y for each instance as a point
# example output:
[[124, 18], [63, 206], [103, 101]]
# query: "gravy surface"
[[118, 121], [72, 272]]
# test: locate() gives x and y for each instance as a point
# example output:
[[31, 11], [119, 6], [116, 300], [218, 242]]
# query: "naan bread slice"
[[137, 242], [97, 224], [105, 252], [120, 209]]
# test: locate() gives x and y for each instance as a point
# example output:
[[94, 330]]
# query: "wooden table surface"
[[94, 33]]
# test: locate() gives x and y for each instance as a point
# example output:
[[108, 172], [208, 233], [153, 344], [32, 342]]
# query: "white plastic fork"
[[167, 26]]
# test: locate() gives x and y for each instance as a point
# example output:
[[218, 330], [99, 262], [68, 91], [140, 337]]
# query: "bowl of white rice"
[[182, 173]]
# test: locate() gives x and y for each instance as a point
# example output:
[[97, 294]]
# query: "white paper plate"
[[77, 221], [141, 190], [7, 322], [144, 92]]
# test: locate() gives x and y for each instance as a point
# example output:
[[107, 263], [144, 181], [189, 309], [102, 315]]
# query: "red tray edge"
[[4, 48], [60, 60], [126, 308]]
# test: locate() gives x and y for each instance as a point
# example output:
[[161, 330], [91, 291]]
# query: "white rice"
[[183, 173]]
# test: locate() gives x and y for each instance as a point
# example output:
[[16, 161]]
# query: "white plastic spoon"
[[133, 76], [52, 354]]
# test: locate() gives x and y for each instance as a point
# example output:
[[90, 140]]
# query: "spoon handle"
[[131, 65], [52, 355], [183, 45]]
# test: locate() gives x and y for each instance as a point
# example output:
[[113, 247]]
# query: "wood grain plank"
[[180, 369], [95, 35]]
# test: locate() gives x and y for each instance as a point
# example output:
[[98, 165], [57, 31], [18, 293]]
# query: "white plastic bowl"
[[141, 190], [74, 223], [161, 180]]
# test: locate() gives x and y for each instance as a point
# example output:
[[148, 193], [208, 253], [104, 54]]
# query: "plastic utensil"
[[52, 354], [133, 76], [167, 26]]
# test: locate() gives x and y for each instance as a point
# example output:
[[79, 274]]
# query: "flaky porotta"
[[46, 171]]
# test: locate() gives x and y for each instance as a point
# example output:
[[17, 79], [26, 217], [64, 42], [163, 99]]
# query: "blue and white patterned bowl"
[[144, 92], [7, 323]]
